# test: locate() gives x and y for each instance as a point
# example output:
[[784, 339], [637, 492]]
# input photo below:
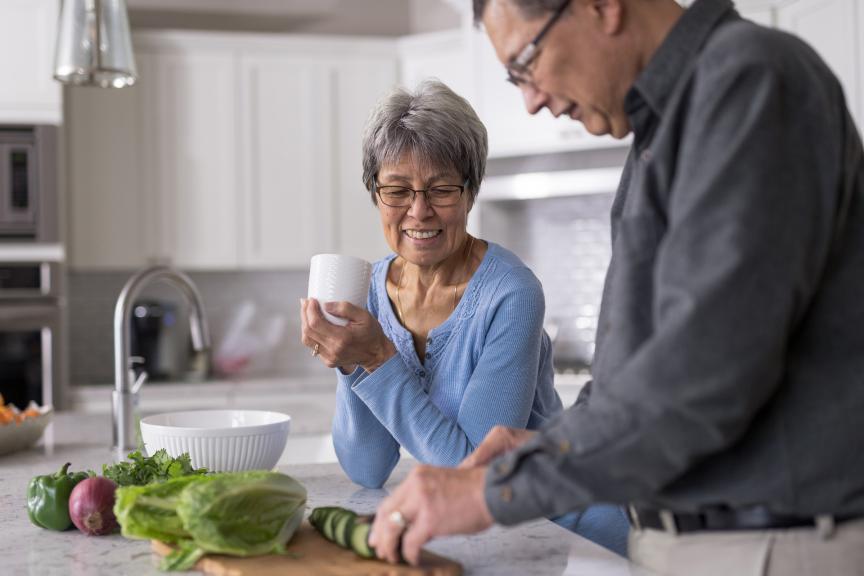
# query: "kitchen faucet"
[[125, 396]]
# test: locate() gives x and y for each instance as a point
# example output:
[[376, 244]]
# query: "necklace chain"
[[455, 288]]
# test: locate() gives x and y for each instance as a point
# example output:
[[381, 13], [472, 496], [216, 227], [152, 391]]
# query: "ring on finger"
[[315, 349], [396, 518]]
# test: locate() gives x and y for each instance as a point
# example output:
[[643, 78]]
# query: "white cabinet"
[[193, 154], [152, 168], [442, 55], [286, 145], [835, 29], [107, 203], [360, 83], [28, 92], [232, 151]]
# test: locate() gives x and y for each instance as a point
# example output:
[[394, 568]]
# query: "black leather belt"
[[724, 518]]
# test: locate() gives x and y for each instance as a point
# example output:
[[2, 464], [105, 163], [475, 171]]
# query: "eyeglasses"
[[438, 196], [518, 70]]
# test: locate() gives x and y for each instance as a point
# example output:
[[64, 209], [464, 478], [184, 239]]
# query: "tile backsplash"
[[566, 242]]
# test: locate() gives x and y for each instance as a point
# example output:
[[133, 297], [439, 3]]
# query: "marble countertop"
[[537, 548]]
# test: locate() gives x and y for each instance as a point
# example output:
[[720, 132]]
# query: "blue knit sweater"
[[489, 363]]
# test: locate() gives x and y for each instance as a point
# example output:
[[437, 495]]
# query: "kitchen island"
[[536, 548]]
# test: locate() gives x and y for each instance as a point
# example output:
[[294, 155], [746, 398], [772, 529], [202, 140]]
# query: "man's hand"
[[362, 342], [433, 502], [499, 440]]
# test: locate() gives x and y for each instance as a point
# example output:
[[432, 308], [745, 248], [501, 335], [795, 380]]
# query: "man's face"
[[575, 73]]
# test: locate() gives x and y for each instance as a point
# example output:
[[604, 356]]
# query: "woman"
[[453, 341]]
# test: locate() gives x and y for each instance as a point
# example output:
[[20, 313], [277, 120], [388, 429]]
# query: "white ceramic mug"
[[339, 278]]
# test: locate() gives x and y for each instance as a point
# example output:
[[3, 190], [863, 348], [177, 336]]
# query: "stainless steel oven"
[[32, 318], [28, 184]]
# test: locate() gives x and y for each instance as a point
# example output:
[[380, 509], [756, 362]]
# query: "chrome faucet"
[[127, 387]]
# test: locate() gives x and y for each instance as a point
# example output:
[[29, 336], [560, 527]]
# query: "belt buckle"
[[667, 519], [634, 517]]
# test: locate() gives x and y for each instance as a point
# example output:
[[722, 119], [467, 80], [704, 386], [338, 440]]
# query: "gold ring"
[[397, 519], [315, 349]]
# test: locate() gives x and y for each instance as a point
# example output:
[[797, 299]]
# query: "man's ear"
[[609, 14]]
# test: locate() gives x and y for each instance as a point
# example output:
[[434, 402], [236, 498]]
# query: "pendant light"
[[94, 47]]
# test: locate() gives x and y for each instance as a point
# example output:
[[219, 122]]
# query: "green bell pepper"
[[48, 498]]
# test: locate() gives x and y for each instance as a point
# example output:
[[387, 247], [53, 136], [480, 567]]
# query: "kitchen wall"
[[564, 240], [92, 296]]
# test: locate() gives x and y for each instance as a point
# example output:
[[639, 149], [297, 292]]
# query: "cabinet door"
[[107, 222], [28, 92], [834, 29], [440, 55], [196, 158], [287, 139], [360, 83]]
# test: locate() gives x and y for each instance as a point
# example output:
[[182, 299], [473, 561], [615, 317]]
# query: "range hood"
[[537, 185]]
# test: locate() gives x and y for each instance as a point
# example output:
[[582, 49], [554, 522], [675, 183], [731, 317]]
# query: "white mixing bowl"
[[219, 440]]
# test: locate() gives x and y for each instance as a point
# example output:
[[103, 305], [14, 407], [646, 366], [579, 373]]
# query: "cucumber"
[[360, 540], [344, 528]]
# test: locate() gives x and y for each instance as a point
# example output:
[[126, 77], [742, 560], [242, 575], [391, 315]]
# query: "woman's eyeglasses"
[[438, 196]]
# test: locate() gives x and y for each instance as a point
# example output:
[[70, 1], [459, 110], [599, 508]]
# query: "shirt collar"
[[678, 50]]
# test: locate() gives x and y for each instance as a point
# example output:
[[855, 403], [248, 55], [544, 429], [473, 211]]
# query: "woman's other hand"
[[360, 343], [499, 440]]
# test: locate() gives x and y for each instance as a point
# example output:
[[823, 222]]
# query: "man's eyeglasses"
[[438, 196], [518, 70]]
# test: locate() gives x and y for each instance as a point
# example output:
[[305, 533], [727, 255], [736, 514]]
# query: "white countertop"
[[536, 548]]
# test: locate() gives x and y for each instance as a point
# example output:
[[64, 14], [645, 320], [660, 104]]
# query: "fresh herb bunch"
[[143, 470]]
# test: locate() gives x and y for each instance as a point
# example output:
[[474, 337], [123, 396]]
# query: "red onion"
[[91, 506]]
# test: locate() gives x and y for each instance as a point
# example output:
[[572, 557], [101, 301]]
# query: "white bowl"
[[219, 440]]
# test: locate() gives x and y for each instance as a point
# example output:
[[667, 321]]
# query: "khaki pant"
[[787, 552]]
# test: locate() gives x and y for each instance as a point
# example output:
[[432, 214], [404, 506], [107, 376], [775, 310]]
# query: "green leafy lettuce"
[[143, 470], [240, 514]]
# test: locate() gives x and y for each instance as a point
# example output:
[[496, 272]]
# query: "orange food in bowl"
[[9, 413]]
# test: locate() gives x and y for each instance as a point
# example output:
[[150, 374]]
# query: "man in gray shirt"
[[729, 374]]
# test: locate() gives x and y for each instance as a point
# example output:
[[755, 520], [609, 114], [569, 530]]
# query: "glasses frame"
[[414, 193], [518, 69]]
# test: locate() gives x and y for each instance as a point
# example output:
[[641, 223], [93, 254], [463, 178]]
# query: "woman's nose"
[[420, 207]]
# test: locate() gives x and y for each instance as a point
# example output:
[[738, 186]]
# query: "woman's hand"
[[362, 342], [499, 440]]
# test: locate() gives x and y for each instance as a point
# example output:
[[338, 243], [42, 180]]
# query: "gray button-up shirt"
[[730, 357]]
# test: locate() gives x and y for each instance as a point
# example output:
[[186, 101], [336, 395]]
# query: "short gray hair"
[[530, 9], [436, 125]]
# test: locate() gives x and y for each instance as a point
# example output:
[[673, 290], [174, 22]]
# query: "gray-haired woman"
[[453, 341]]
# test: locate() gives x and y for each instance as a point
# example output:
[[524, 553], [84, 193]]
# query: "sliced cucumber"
[[344, 528]]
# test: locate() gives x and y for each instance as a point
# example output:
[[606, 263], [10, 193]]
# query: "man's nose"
[[535, 100]]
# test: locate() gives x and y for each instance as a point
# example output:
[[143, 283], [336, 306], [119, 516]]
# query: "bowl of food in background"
[[21, 429], [219, 440]]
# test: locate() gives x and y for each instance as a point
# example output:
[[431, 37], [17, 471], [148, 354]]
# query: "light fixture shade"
[[84, 26]]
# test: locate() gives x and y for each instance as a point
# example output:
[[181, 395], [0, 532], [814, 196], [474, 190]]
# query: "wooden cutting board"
[[310, 554]]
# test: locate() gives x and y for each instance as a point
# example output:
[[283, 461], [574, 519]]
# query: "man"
[[729, 372]]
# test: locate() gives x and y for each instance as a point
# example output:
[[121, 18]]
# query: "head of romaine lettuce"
[[238, 513]]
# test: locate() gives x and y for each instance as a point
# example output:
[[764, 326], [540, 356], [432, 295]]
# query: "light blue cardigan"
[[489, 363]]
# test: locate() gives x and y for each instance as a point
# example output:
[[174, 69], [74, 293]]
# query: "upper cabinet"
[[28, 92], [231, 152], [835, 29]]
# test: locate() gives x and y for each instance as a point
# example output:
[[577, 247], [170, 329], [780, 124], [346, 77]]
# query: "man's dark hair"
[[531, 9]]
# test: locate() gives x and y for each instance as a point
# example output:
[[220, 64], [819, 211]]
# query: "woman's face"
[[422, 234]]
